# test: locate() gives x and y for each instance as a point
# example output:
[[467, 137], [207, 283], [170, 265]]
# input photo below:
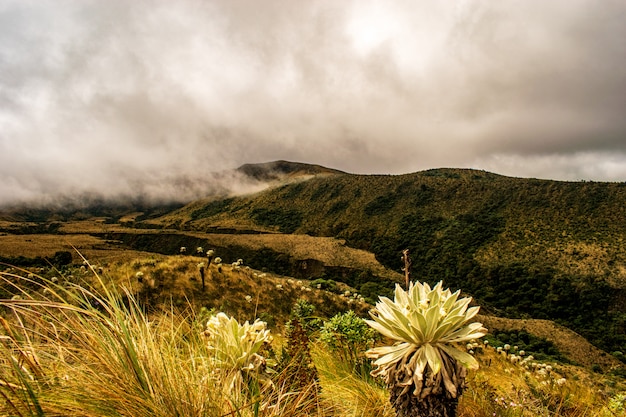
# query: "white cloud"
[[107, 95]]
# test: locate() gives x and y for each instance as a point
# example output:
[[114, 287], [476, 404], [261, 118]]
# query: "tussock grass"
[[94, 352], [75, 349], [347, 393], [97, 353]]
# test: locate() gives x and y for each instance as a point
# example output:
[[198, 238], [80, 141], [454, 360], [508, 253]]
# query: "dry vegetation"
[[502, 388], [176, 279], [572, 345], [62, 356], [45, 245], [330, 251]]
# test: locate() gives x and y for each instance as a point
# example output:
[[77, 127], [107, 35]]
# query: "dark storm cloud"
[[121, 98]]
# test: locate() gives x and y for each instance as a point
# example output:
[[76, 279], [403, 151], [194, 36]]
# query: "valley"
[[545, 260]]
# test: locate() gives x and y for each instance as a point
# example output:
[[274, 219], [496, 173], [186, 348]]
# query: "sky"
[[152, 98]]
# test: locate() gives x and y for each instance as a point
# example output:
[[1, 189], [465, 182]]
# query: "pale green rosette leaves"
[[235, 347], [426, 323]]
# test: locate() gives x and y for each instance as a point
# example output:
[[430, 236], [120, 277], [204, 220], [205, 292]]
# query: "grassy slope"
[[161, 344], [575, 227], [523, 247], [573, 346], [177, 279]]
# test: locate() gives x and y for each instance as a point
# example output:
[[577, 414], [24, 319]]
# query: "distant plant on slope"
[[424, 371]]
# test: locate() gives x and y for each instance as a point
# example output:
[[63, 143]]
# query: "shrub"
[[303, 312], [324, 284], [349, 336]]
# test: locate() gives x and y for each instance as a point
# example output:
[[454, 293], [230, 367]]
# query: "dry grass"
[[502, 388], [330, 251], [81, 352], [346, 393], [73, 351], [46, 245], [571, 344], [167, 278]]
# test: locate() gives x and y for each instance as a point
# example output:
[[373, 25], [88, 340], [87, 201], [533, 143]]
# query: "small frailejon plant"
[[424, 371], [235, 352], [617, 404]]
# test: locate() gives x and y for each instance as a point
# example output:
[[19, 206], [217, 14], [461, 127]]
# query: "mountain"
[[247, 178], [281, 170], [524, 248]]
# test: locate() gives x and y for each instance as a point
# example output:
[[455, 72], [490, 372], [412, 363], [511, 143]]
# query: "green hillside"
[[524, 248]]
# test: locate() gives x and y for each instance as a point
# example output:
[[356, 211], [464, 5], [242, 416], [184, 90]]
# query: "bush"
[[324, 284], [303, 312], [349, 336]]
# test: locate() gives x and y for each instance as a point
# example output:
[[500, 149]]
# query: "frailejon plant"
[[235, 351], [424, 371]]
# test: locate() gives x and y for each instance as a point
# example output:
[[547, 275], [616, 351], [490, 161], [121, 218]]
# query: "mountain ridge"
[[525, 248], [279, 169]]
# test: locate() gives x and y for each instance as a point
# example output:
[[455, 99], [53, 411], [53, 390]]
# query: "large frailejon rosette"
[[427, 323]]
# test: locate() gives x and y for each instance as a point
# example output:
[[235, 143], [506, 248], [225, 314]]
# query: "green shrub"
[[303, 312], [324, 284], [349, 336]]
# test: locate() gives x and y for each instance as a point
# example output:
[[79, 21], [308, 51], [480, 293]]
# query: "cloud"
[[120, 98]]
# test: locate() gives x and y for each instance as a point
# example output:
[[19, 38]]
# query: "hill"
[[524, 248], [281, 170], [111, 350]]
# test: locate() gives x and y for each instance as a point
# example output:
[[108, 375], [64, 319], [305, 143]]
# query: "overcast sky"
[[123, 97]]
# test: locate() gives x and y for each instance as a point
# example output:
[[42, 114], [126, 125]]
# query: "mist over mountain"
[[105, 98], [522, 247], [157, 197], [174, 189]]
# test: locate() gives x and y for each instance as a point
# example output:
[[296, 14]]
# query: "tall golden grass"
[[80, 351], [69, 349]]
